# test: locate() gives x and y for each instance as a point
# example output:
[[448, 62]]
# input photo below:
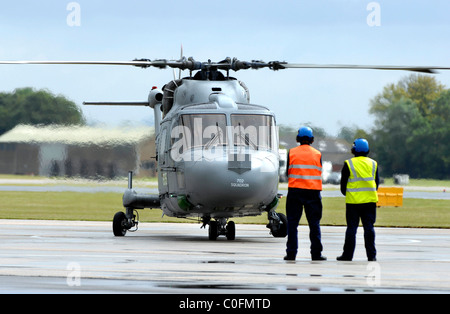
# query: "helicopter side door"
[[171, 177], [163, 141]]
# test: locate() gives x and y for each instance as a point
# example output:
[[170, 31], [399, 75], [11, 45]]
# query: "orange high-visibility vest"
[[305, 168]]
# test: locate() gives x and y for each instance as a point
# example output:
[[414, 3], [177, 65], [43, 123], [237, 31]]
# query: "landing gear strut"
[[132, 201], [221, 227]]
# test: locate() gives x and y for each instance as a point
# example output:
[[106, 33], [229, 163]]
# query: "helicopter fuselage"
[[217, 155]]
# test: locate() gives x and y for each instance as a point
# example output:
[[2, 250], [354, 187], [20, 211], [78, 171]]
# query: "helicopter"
[[216, 152]]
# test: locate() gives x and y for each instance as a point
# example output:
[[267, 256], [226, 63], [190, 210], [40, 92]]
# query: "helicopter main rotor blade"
[[182, 64], [139, 63], [235, 65], [422, 69]]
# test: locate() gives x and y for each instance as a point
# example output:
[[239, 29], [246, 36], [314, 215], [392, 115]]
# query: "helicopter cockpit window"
[[204, 129], [254, 131]]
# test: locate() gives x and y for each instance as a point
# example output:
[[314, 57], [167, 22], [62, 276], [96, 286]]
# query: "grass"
[[417, 213], [420, 182]]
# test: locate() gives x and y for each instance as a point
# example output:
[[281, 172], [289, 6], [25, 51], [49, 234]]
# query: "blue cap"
[[360, 145], [305, 131]]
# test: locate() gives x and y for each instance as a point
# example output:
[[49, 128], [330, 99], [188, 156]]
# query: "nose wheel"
[[221, 227]]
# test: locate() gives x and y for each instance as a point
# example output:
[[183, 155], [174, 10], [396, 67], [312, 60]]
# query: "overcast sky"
[[401, 32]]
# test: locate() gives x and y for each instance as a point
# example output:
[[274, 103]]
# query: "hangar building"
[[78, 151]]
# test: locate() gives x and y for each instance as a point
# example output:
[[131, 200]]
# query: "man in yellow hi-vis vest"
[[359, 184]]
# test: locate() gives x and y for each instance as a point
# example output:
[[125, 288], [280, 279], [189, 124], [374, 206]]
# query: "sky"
[[394, 32]]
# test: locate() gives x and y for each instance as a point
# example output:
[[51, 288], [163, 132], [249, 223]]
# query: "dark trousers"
[[297, 199], [367, 213]]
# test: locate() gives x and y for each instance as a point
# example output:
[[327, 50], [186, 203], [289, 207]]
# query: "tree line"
[[37, 107], [411, 134]]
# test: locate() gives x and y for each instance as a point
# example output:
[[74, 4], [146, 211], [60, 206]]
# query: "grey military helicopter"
[[217, 153]]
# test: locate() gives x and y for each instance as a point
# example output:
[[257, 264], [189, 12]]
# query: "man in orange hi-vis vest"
[[304, 171]]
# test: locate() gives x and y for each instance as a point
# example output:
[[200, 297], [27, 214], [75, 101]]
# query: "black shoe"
[[318, 258], [343, 258], [372, 259], [289, 258]]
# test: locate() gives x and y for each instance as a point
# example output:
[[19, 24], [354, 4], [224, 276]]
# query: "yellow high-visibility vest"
[[361, 186]]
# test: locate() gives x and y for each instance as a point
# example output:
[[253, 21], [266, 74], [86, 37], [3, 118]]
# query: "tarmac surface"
[[85, 257]]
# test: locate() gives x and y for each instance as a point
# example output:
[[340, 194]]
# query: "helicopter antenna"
[[174, 74], [181, 58]]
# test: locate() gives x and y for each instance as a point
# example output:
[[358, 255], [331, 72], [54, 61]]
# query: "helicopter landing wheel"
[[120, 222], [277, 224], [221, 227], [231, 230], [213, 231]]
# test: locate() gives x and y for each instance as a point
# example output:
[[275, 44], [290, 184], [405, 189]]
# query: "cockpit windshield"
[[204, 129], [257, 132]]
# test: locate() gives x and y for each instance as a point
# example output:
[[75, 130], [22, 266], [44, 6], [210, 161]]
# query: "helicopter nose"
[[251, 181]]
